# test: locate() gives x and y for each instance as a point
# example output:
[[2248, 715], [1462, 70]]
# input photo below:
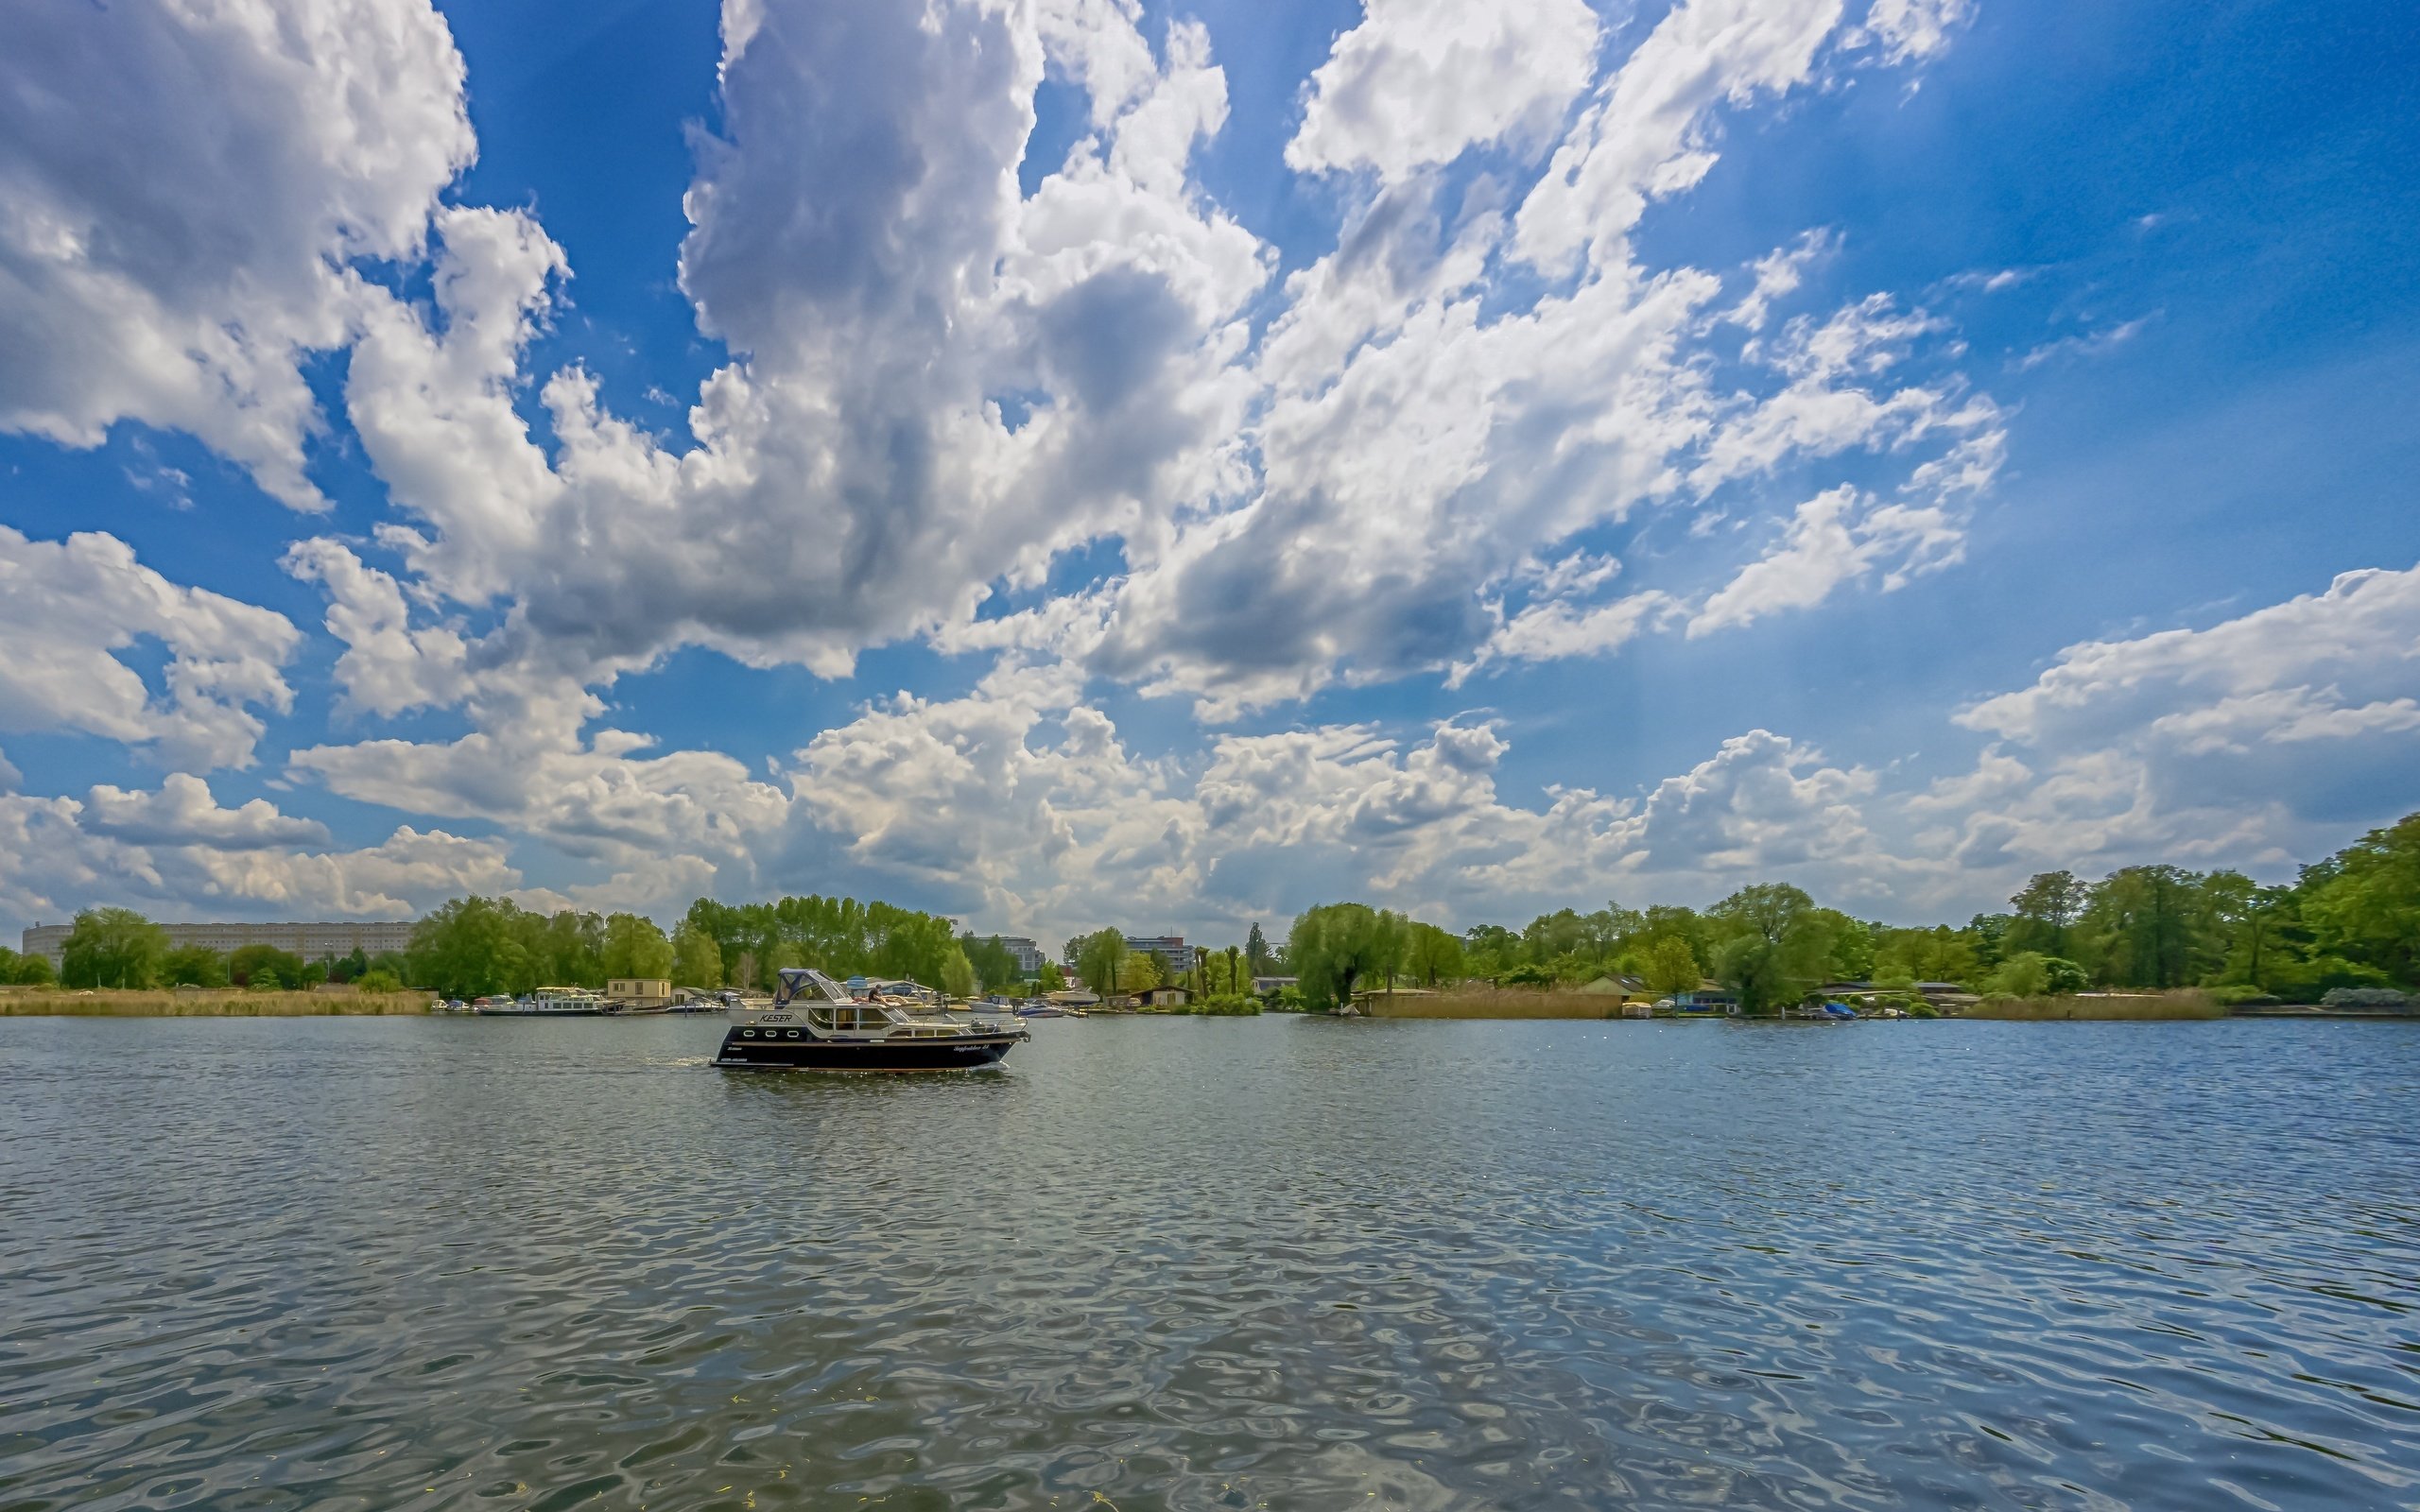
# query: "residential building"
[[643, 992], [1028, 954], [312, 942]]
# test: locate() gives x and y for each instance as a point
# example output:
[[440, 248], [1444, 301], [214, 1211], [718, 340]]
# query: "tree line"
[[2351, 921], [119, 947]]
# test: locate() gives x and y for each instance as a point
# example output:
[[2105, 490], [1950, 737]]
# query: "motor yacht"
[[813, 1024]]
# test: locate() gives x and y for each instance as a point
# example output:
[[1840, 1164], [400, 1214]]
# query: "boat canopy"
[[806, 981]]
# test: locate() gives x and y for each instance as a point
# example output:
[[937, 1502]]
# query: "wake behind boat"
[[813, 1024]]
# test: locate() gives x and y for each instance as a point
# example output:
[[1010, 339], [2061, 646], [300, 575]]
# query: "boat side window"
[[822, 1016]]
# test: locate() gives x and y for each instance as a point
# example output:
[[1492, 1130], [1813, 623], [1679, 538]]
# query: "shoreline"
[[106, 1003]]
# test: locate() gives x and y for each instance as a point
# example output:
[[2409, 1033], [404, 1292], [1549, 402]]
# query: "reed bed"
[[2185, 1003], [115, 1005], [1497, 1004]]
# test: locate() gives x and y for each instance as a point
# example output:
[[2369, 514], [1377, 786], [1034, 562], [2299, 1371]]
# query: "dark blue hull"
[[961, 1053]]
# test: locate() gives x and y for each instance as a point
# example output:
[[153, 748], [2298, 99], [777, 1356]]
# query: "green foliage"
[[634, 946], [1141, 970], [1671, 968], [1920, 1009], [265, 969], [1257, 953], [2364, 906], [696, 961], [377, 980], [1773, 943], [192, 965], [114, 947], [1338, 946], [2044, 911], [958, 975], [839, 936], [2022, 975], [1051, 979], [1431, 955], [1099, 956], [994, 963], [25, 970]]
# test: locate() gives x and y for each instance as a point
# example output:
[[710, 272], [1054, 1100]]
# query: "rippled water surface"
[[420, 1263]]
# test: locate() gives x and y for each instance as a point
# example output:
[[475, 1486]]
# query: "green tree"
[[1903, 958], [696, 961], [265, 967], [1336, 945], [378, 980], [1431, 955], [1490, 951], [1256, 954], [466, 948], [1671, 969], [2365, 902], [1099, 958], [2047, 907], [113, 947], [995, 965], [636, 948], [2140, 924], [1773, 943], [192, 965], [2026, 975], [32, 970], [1051, 979], [958, 975], [1141, 972]]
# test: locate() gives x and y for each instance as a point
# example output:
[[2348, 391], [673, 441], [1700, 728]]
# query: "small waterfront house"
[[1163, 997]]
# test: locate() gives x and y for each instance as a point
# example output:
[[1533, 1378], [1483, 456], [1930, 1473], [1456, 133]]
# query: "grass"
[[116, 1005], [2188, 1003], [1484, 1004]]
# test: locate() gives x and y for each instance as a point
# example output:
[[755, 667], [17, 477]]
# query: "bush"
[[2238, 992], [378, 982], [2025, 974], [2365, 997], [1226, 1006], [1923, 1011], [1530, 976]]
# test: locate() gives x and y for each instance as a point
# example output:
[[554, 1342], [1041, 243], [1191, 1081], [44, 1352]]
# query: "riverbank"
[[2186, 1004], [113, 1005]]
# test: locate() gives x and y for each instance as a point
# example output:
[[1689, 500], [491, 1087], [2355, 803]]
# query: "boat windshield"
[[858, 1017]]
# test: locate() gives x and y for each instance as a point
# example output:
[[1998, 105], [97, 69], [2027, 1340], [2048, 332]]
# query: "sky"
[[1078, 462]]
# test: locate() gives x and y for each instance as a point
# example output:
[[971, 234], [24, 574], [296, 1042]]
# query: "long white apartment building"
[[312, 942]]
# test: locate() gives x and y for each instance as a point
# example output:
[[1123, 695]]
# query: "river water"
[[1212, 1263]]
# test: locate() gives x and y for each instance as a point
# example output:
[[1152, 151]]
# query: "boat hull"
[[967, 1053]]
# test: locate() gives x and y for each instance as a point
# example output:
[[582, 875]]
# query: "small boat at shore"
[[813, 1024]]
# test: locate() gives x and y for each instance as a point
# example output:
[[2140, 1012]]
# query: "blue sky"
[[1088, 462]]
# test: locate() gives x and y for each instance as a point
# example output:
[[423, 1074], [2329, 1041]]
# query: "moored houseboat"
[[813, 1024]]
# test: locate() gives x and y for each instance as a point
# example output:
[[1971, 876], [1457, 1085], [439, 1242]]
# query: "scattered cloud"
[[1418, 81], [72, 610], [186, 188]]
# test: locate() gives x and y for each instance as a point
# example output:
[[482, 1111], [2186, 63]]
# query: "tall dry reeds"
[[116, 1005], [2184, 1003], [1485, 1003]]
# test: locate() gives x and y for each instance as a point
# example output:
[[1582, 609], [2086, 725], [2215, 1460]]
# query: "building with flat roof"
[[1170, 949], [1028, 954], [312, 942]]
